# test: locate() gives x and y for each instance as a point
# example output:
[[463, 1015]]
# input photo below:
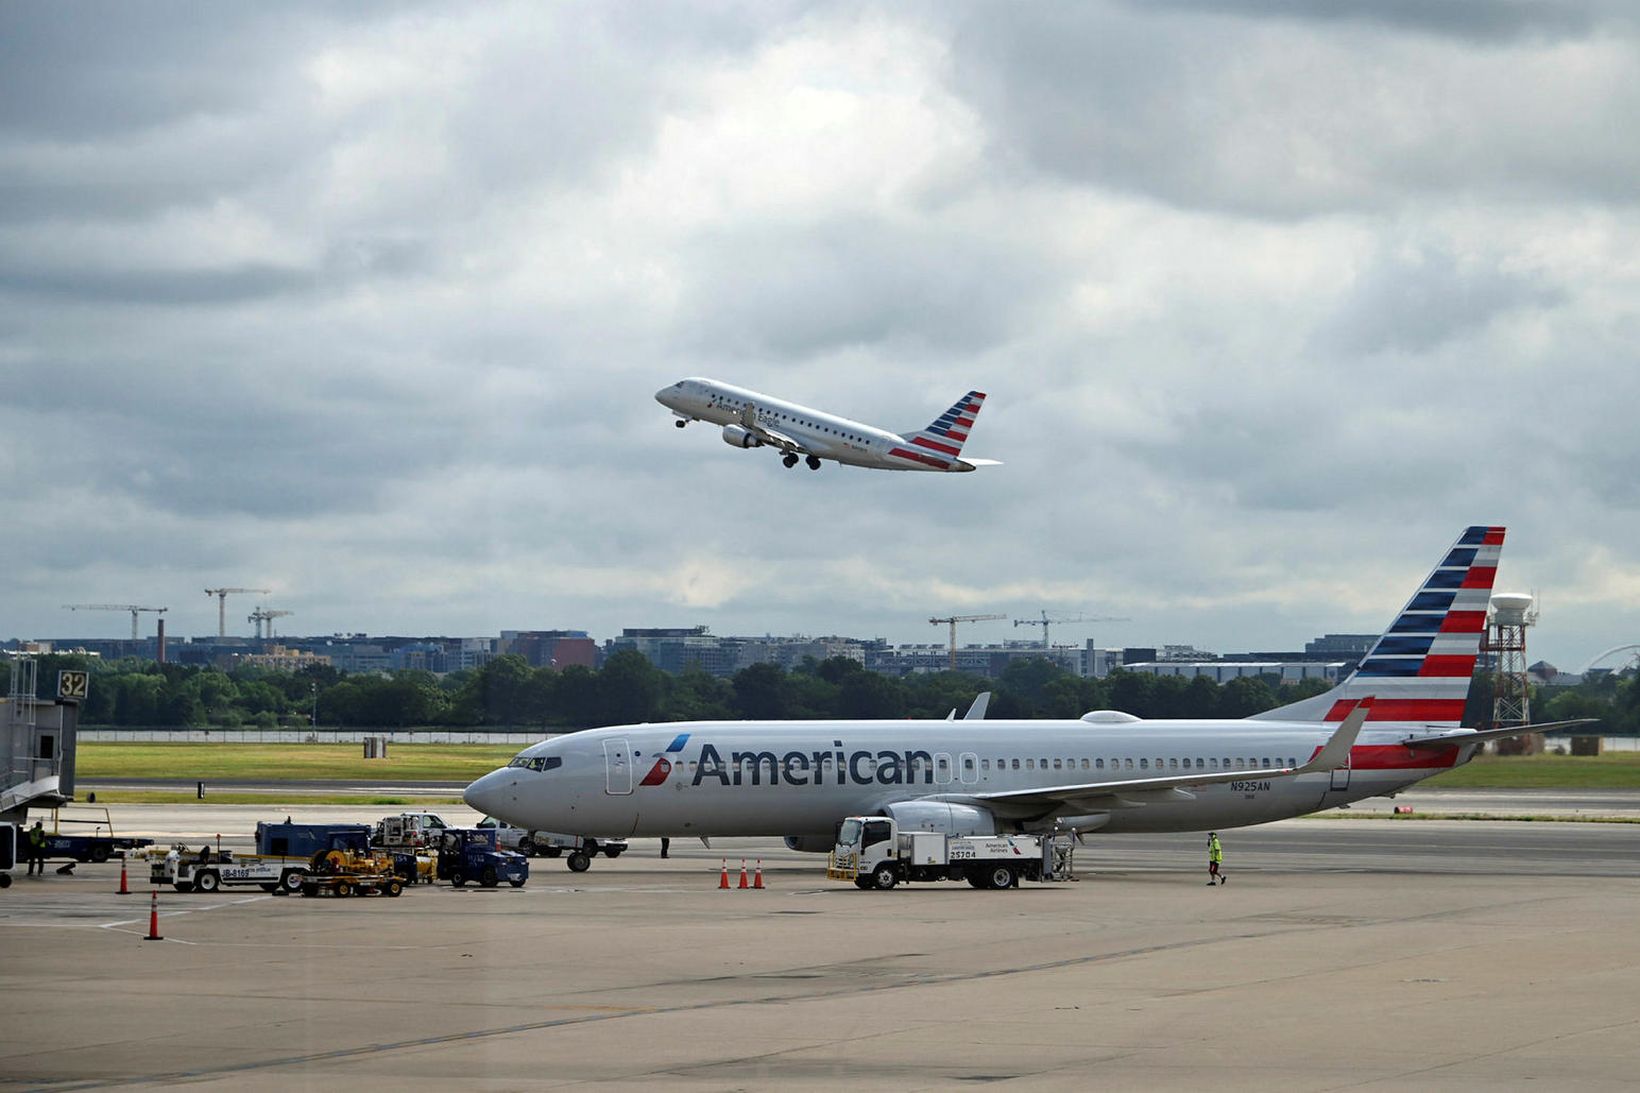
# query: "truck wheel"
[[393, 887], [310, 890], [516, 883], [1001, 877], [343, 889], [526, 846], [864, 884], [99, 853], [614, 851], [290, 881], [207, 881], [975, 878], [457, 877], [551, 851], [883, 877], [578, 862], [5, 880], [488, 878], [270, 887], [184, 886]]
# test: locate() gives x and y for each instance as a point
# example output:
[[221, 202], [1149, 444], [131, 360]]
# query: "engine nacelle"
[[810, 844], [738, 436], [945, 818]]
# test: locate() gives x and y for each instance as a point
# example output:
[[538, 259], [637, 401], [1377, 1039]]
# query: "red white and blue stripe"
[[1420, 668], [939, 445]]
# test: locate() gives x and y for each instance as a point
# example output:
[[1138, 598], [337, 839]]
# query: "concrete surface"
[[1341, 955]]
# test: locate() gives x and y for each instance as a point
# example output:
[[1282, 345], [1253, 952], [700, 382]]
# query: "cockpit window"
[[538, 762]]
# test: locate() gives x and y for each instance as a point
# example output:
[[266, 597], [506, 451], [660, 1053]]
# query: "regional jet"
[[1392, 722], [752, 420]]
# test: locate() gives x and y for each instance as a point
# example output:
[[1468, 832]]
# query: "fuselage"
[[824, 435], [802, 778]]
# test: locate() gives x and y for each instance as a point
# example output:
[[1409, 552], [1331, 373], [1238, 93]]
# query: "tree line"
[[629, 689]]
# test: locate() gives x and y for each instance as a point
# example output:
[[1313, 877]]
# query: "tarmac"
[[1437, 955]]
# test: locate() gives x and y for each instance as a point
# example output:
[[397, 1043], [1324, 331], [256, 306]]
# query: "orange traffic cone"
[[153, 919], [723, 881], [125, 889], [757, 878], [743, 883]]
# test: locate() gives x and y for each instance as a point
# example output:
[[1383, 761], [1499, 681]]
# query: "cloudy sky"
[[367, 304]]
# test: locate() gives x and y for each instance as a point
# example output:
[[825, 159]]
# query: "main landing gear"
[[790, 459], [814, 462]]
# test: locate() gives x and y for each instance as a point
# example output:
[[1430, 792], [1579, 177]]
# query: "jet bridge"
[[37, 741]]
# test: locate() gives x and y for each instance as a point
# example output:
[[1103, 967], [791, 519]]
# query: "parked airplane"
[[1393, 722], [751, 420]]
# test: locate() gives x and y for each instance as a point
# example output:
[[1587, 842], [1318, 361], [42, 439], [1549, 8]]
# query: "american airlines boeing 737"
[[751, 420], [1392, 722]]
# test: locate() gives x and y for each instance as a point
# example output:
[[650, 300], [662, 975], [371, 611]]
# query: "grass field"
[[1619, 770], [291, 762], [279, 800]]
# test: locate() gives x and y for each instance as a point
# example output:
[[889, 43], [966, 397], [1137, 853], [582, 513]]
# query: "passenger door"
[[617, 766]]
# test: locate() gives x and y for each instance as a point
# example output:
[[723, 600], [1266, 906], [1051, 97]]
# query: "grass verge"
[[272, 800], [290, 762], [1619, 770], [1473, 816]]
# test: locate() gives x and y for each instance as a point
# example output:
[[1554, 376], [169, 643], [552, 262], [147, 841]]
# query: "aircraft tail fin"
[[1419, 669], [946, 433]]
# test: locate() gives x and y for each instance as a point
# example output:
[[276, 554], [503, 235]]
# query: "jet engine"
[[810, 844], [945, 818], [737, 436]]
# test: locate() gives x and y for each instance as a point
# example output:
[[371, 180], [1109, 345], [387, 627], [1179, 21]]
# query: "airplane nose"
[[484, 794], [666, 396]]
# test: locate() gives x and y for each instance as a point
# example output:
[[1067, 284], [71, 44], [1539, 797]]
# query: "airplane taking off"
[[1392, 722], [751, 420]]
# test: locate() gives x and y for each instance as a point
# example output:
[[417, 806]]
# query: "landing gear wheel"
[[790, 460], [578, 862], [884, 877], [552, 851], [1000, 877], [680, 423], [813, 462], [613, 851], [488, 878]]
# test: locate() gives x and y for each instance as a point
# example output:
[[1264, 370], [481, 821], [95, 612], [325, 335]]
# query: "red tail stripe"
[[965, 422], [1396, 757], [1480, 577], [1403, 709], [1454, 666], [918, 457], [1494, 537], [924, 442], [1464, 622]]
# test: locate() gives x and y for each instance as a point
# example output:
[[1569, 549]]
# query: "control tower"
[[37, 742]]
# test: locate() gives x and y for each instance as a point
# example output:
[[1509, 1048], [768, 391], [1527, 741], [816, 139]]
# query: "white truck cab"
[[547, 844]]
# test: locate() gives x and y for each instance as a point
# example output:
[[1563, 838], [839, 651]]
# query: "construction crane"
[[131, 607], [1045, 622], [221, 595], [952, 620], [267, 615]]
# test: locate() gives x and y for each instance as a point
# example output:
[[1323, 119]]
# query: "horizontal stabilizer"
[[1481, 736]]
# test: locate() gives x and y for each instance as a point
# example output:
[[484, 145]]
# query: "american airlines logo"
[[798, 768]]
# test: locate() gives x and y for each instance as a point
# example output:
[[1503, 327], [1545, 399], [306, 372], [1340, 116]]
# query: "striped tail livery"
[[1419, 669], [940, 444]]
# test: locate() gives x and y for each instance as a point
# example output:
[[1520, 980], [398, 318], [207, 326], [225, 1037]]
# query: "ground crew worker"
[[666, 845], [37, 849], [1215, 858]]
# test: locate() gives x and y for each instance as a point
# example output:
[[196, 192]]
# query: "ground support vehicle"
[[471, 854], [190, 871], [548, 844], [86, 835], [344, 873], [408, 831], [8, 853], [873, 852], [305, 840]]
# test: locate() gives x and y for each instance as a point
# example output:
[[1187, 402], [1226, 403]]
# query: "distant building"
[[1340, 646], [276, 658], [551, 648], [1223, 671]]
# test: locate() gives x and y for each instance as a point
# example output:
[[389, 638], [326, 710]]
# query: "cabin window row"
[[1143, 763]]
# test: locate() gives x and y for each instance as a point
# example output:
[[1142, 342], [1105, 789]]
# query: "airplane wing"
[[1482, 735], [1332, 755], [774, 439]]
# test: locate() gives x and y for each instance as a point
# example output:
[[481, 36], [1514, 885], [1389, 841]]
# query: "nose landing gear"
[[680, 423]]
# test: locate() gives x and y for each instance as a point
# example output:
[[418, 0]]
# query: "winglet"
[[1336, 751], [976, 712]]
